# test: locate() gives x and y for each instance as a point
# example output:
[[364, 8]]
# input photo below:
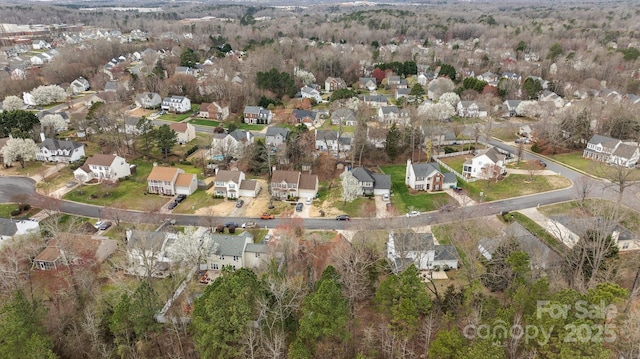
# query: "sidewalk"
[[557, 230]]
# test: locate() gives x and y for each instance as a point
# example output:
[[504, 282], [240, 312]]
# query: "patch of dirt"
[[139, 112]]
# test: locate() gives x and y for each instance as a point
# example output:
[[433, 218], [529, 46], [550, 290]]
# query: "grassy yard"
[[198, 199], [536, 230], [598, 169], [514, 185], [175, 117], [456, 162], [7, 208], [405, 201], [204, 122], [250, 127], [360, 207]]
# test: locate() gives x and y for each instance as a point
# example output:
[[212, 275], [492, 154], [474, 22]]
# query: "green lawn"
[[198, 199], [405, 201], [599, 169], [456, 162], [514, 185], [250, 127], [204, 122], [175, 117]]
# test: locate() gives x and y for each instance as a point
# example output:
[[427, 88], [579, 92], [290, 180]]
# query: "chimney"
[[42, 137]]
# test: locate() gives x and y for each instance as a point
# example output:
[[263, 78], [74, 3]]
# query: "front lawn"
[[199, 199], [598, 169], [175, 117], [406, 201], [514, 185], [204, 122]]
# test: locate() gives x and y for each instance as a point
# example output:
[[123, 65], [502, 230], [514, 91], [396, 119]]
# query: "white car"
[[98, 224], [413, 214], [308, 201], [385, 197]]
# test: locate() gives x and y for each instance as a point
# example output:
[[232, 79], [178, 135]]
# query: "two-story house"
[[214, 111], [227, 183], [392, 114], [468, 109], [611, 150], [419, 249], [170, 181], [102, 168], [289, 185], [10, 228], [511, 107], [148, 100], [231, 144], [257, 115], [185, 132], [329, 140], [74, 249], [80, 85], [234, 252], [276, 136], [304, 116], [344, 116], [334, 83], [487, 164], [177, 104], [52, 150], [369, 83], [428, 177], [311, 93], [370, 183], [376, 101]]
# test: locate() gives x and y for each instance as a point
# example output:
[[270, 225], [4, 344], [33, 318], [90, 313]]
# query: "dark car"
[[299, 207], [343, 217], [104, 226], [239, 203], [180, 198], [543, 164], [172, 205], [231, 224]]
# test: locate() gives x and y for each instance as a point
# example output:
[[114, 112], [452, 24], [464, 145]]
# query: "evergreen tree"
[[392, 145], [188, 58], [165, 139]]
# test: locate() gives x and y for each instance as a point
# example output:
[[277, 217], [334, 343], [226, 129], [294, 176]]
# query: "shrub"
[[26, 207], [16, 212], [191, 151], [449, 150], [436, 268], [535, 148]]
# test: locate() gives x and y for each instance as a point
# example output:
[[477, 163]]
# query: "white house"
[[469, 109], [406, 248], [488, 164], [233, 251], [425, 177], [148, 100], [15, 227], [328, 140], [612, 151], [171, 181], [80, 85], [52, 150], [177, 104], [231, 144], [185, 132], [103, 168], [311, 93], [344, 116], [227, 183]]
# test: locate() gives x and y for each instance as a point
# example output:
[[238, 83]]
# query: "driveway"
[[304, 213]]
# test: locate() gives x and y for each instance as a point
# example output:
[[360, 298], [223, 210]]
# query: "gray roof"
[[450, 177], [53, 144], [539, 253], [625, 151], [389, 109], [300, 114], [445, 253], [8, 227], [274, 131], [241, 135], [253, 109], [375, 98], [362, 174], [326, 135], [257, 248], [382, 181], [425, 169], [405, 242], [228, 245], [605, 141], [145, 240], [493, 155]]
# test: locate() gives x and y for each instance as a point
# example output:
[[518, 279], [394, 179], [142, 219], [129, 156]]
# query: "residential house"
[[257, 115], [111, 86], [231, 144], [149, 253], [52, 150], [511, 107], [150, 100], [427, 177], [328, 140], [227, 183], [468, 109], [392, 114], [548, 96], [611, 151], [177, 104], [185, 132], [402, 92], [488, 77], [311, 93], [288, 185], [376, 101], [249, 188], [74, 249], [369, 83], [344, 116], [233, 252], [185, 70], [540, 255], [512, 76], [214, 111], [103, 168], [304, 116], [525, 131], [370, 183], [487, 164], [40, 45], [80, 85], [37, 60], [276, 136], [170, 181], [419, 249], [334, 83], [10, 228]]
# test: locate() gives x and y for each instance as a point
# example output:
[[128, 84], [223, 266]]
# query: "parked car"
[[413, 214], [239, 203], [104, 226], [385, 197], [181, 197], [267, 216], [299, 207], [343, 217], [543, 164], [249, 225], [231, 224], [308, 201], [98, 224], [172, 205]]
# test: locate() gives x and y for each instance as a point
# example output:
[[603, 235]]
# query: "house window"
[[221, 258], [257, 255], [215, 266], [235, 258]]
